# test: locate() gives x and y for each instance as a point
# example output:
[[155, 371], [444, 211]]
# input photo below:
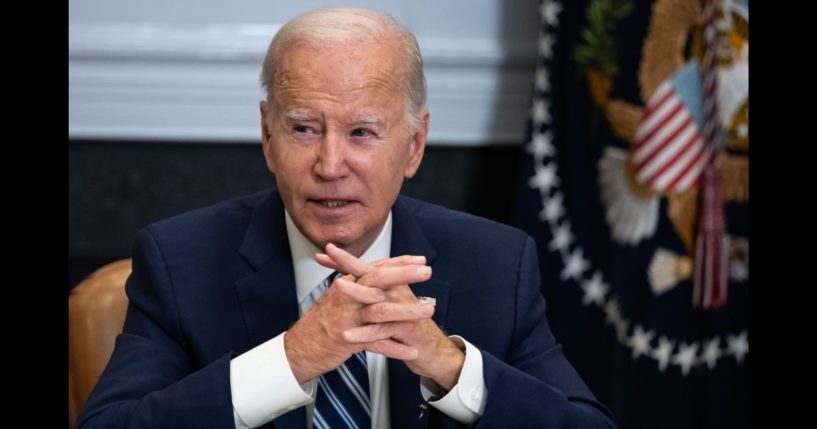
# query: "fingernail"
[[426, 310], [322, 254], [420, 259], [424, 270]]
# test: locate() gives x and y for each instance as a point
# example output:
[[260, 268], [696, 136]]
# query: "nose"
[[330, 162]]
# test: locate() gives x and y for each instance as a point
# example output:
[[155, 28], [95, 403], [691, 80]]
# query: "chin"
[[341, 238]]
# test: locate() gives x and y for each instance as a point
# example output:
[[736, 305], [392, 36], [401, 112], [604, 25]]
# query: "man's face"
[[336, 138]]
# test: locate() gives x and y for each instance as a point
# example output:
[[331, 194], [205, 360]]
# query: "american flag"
[[669, 151]]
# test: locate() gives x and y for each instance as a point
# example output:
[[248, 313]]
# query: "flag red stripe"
[[662, 136]]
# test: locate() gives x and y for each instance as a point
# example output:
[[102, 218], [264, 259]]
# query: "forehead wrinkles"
[[372, 70]]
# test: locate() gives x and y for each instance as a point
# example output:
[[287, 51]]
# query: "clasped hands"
[[371, 307]]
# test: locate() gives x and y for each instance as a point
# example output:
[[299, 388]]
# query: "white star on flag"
[[685, 358], [545, 178], [594, 290], [561, 237], [640, 341], [574, 266], [542, 79], [738, 346], [663, 352], [540, 112], [711, 353], [540, 146], [611, 309], [553, 208], [546, 45], [550, 9]]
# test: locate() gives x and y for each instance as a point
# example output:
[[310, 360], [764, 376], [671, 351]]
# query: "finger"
[[393, 349], [346, 262], [376, 332], [392, 276], [400, 260], [326, 261], [395, 312], [363, 294], [401, 293]]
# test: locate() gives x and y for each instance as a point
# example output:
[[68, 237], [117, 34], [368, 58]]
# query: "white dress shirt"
[[263, 386]]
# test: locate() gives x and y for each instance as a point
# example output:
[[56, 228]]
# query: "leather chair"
[[96, 314]]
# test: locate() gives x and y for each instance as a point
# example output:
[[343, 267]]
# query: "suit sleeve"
[[535, 385], [150, 381]]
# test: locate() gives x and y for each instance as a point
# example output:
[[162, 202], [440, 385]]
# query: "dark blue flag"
[[617, 254]]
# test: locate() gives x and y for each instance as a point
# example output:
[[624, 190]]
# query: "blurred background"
[[535, 108]]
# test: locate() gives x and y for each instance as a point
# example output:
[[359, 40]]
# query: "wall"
[[187, 70]]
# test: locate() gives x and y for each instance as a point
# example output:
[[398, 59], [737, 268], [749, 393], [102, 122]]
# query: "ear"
[[266, 135], [418, 144]]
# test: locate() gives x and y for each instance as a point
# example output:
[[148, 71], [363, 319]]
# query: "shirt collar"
[[309, 273]]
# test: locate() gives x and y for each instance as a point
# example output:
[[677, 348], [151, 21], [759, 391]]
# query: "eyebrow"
[[295, 116], [368, 119], [301, 117]]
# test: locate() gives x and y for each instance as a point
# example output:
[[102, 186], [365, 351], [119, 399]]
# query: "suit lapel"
[[268, 297], [404, 386], [409, 239]]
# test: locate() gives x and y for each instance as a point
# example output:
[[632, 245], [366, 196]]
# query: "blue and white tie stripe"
[[343, 394]]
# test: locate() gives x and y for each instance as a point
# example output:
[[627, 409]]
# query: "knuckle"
[[379, 311], [396, 329], [382, 330], [374, 277]]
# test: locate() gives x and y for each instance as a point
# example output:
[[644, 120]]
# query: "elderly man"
[[322, 303]]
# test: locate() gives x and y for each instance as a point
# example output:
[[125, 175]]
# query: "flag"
[[617, 254], [669, 152]]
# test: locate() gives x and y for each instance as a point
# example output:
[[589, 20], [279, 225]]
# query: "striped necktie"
[[343, 394]]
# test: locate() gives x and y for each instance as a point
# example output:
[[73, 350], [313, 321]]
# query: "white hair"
[[344, 26]]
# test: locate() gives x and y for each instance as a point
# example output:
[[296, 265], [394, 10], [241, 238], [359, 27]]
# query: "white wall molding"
[[148, 81]]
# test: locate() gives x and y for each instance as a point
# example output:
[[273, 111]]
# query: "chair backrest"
[[96, 314]]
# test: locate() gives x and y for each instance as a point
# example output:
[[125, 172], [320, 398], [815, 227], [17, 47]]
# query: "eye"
[[361, 132], [301, 129]]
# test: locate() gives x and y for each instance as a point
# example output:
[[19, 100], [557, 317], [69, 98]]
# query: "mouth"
[[332, 203]]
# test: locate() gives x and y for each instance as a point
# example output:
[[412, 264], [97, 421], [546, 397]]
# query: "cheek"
[[292, 162], [387, 178], [399, 163]]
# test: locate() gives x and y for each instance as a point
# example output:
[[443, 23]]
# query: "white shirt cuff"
[[465, 403], [263, 386]]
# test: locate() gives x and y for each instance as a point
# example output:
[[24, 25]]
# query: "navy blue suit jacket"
[[213, 283]]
